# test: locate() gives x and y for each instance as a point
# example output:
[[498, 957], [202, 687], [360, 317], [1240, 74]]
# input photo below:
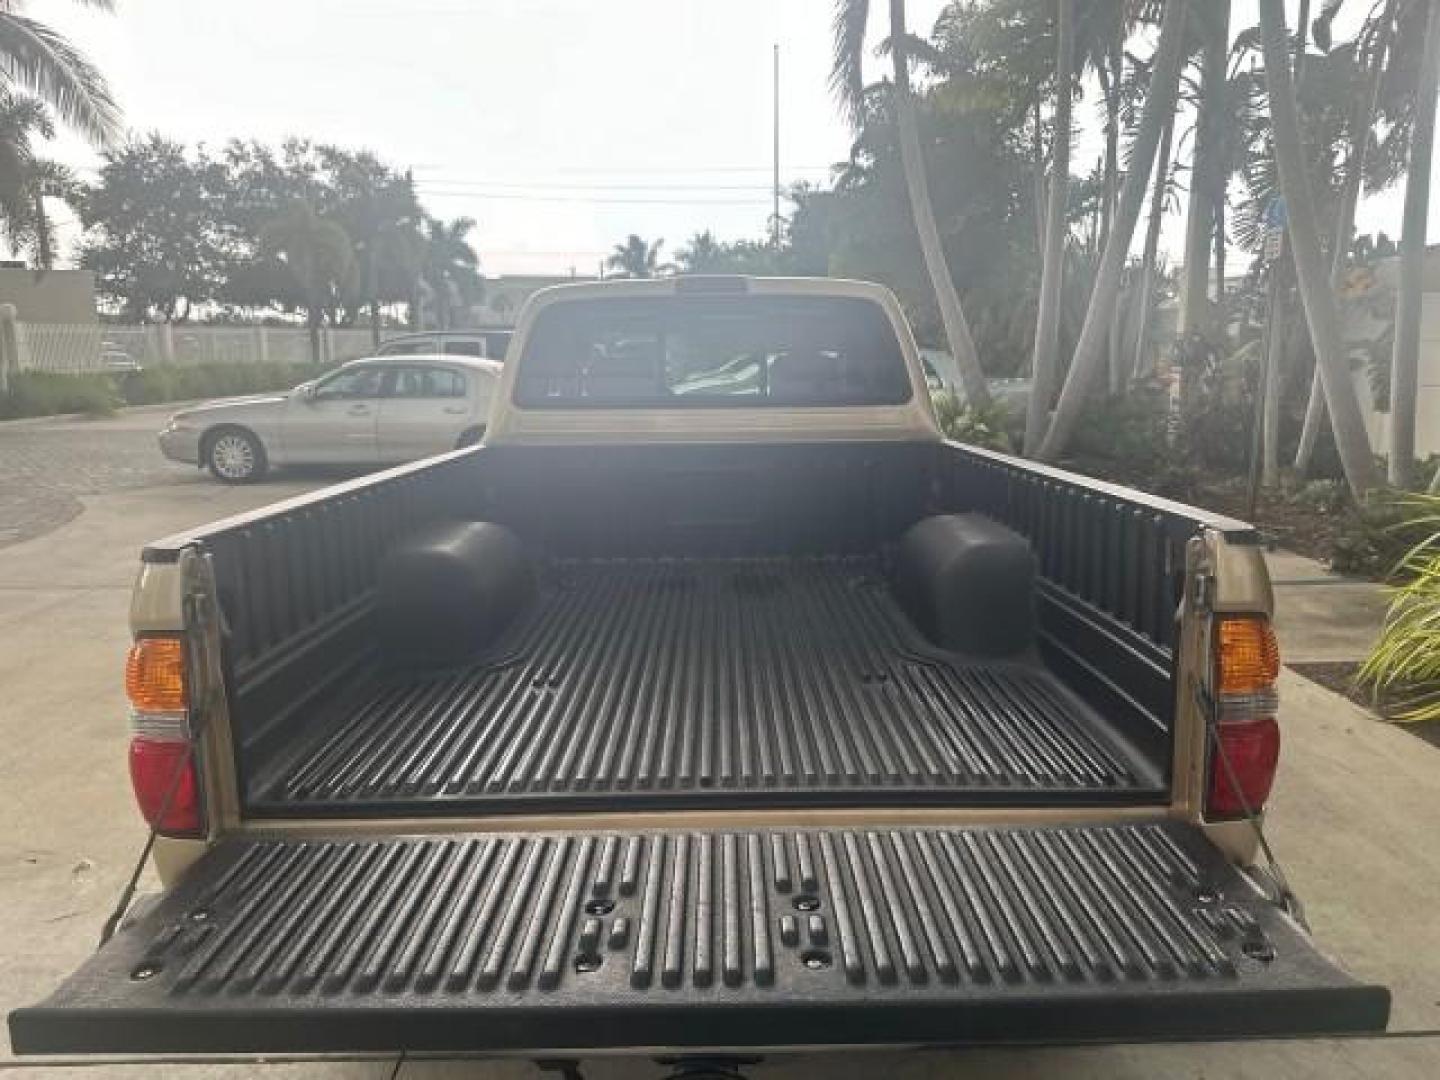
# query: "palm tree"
[[48, 180], [21, 119], [1046, 362], [318, 254], [41, 61], [636, 257], [1404, 361], [847, 78], [1090, 350], [1314, 280], [1207, 186], [450, 268], [703, 254]]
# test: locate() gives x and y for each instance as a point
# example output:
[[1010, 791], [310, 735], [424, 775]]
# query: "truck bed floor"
[[679, 681]]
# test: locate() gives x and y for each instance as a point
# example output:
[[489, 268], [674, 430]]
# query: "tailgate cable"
[[1282, 895], [198, 607]]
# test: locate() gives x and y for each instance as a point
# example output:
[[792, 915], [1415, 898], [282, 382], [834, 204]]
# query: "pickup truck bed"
[[639, 680], [715, 704]]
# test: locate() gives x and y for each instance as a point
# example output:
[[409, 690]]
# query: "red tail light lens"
[[162, 772], [1253, 749], [1247, 664], [162, 753]]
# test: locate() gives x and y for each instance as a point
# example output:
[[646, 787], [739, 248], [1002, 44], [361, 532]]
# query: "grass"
[[39, 393]]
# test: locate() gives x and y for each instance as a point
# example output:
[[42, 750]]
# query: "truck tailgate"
[[738, 939]]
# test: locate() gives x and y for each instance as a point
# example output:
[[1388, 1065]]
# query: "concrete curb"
[[125, 410]]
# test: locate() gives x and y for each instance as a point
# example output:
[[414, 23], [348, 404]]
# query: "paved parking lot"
[[48, 466], [1356, 811]]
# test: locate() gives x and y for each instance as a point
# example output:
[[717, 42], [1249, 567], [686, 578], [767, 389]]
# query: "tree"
[[1207, 186], [636, 258], [21, 120], [36, 58], [1090, 352], [1404, 363], [1046, 363], [318, 257], [1149, 258], [48, 180], [154, 229], [450, 268], [851, 17], [1303, 229]]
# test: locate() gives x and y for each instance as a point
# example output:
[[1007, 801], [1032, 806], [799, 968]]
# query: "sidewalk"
[[1320, 616]]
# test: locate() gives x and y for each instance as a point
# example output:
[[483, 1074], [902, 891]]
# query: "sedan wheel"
[[236, 457]]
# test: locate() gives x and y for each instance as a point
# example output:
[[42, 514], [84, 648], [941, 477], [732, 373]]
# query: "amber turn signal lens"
[[1249, 657], [155, 675]]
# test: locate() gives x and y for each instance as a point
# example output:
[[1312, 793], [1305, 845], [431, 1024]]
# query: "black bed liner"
[[546, 941], [686, 681]]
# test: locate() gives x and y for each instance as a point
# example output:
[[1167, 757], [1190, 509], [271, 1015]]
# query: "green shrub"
[[988, 427], [157, 384], [1404, 666], [1374, 541], [39, 393], [42, 393]]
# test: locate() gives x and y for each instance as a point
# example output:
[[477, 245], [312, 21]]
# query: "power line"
[[517, 196], [646, 170], [542, 186]]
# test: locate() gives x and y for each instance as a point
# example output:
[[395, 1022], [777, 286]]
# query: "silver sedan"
[[368, 412]]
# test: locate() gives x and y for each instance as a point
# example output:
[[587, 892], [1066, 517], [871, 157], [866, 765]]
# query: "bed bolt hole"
[[586, 962], [599, 907], [1258, 949], [815, 959], [147, 970], [807, 903]]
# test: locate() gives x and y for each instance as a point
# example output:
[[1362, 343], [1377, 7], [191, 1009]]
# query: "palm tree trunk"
[[1405, 360], [1220, 244], [44, 248], [1303, 224], [312, 323], [1152, 247], [1206, 179], [957, 330], [1038, 160], [1046, 362], [1362, 120], [1117, 323], [1270, 382], [1159, 110], [374, 274]]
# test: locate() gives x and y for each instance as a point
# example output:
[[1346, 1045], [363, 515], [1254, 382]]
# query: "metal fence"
[[81, 349]]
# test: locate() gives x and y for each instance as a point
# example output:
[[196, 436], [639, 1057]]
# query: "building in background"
[[64, 297]]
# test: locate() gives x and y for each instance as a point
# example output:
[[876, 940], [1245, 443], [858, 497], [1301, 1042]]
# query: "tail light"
[[1247, 664], [162, 752]]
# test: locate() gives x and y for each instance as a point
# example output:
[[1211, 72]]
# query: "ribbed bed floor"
[[674, 680]]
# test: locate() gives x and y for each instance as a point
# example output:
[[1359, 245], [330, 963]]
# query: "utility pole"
[[775, 160]]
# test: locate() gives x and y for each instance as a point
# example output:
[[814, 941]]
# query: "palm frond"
[[45, 63], [1404, 666], [847, 78]]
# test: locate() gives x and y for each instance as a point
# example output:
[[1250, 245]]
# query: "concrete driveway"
[[1356, 812]]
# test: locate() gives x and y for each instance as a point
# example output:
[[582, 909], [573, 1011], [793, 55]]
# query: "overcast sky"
[[559, 125]]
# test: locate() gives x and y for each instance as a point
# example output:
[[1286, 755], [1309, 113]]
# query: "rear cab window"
[[712, 352]]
